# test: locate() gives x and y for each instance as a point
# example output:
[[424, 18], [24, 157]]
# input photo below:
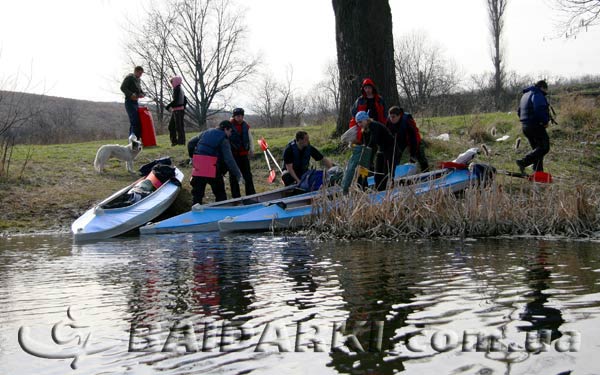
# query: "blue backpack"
[[311, 180]]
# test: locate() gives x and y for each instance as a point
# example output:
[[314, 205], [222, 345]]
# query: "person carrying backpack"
[[534, 114]]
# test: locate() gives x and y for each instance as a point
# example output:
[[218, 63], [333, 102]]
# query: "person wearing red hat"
[[370, 102]]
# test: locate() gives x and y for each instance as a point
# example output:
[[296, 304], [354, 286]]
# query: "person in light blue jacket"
[[534, 114]]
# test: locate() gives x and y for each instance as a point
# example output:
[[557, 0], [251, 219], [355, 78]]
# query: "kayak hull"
[[99, 223], [276, 217], [205, 218]]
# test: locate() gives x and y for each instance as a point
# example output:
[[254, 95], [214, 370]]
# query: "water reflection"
[[537, 311], [292, 294]]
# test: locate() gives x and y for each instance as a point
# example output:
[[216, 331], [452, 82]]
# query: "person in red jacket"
[[242, 147], [370, 102]]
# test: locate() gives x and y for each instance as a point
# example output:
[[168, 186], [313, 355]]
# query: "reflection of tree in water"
[[298, 258], [541, 317], [372, 284]]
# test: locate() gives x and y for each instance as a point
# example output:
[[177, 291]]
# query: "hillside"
[[57, 120]]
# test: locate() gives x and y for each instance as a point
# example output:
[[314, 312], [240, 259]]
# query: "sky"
[[75, 49]]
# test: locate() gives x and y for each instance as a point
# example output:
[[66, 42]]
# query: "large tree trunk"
[[365, 48]]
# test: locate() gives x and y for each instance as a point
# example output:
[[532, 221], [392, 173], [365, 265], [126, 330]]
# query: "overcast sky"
[[74, 48]]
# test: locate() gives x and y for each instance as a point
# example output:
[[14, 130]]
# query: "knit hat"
[[176, 81], [360, 116], [238, 111]]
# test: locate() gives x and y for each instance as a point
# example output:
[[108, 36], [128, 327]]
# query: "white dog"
[[125, 153]]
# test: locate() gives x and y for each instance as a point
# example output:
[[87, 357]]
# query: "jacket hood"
[[176, 81], [368, 82]]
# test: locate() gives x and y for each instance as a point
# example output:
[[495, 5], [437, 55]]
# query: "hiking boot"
[[521, 165]]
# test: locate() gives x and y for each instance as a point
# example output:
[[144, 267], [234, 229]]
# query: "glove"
[[168, 107], [241, 181]]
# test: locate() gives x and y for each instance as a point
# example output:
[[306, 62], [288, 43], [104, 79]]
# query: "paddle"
[[265, 147], [541, 177], [272, 174], [271, 177]]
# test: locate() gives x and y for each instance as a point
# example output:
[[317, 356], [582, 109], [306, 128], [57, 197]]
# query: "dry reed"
[[555, 210]]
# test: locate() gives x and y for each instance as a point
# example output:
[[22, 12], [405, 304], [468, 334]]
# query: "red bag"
[[204, 166]]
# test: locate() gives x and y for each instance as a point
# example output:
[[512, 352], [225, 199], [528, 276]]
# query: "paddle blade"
[[542, 177], [263, 144], [272, 175]]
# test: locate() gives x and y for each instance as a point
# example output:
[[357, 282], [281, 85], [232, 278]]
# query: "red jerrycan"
[[147, 125]]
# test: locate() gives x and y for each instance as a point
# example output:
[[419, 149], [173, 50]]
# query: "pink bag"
[[204, 166]]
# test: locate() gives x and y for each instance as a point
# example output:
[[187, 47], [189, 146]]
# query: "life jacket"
[[240, 140], [407, 120], [301, 158], [210, 143], [155, 181]]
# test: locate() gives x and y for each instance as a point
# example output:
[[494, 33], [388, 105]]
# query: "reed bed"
[[495, 210]]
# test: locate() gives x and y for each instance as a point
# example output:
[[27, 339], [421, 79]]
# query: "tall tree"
[[365, 48], [578, 15], [496, 10], [203, 45]]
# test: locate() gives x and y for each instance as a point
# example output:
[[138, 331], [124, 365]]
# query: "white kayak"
[[101, 222]]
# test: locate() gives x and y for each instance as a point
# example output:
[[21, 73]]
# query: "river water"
[[265, 304]]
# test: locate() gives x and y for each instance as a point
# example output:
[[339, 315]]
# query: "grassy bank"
[[49, 186]]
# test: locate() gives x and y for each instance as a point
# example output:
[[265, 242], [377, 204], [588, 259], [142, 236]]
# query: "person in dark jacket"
[[211, 158], [370, 102], [132, 88], [177, 106], [242, 147], [381, 142], [296, 158], [406, 134], [534, 114]]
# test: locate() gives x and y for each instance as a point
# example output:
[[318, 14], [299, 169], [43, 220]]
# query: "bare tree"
[[203, 46], [150, 44], [265, 100], [422, 71], [332, 84], [365, 48], [496, 10], [296, 108], [285, 91], [578, 15], [323, 98]]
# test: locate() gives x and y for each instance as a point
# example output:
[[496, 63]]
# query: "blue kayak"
[[282, 216], [205, 218]]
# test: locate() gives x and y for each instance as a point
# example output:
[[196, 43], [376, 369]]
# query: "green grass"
[[58, 183]]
